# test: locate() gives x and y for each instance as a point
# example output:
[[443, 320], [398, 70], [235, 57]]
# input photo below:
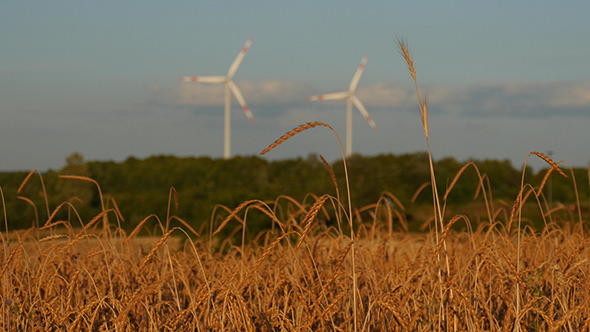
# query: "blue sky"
[[503, 78]]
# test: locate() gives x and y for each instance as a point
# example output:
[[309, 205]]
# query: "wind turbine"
[[350, 99], [229, 86]]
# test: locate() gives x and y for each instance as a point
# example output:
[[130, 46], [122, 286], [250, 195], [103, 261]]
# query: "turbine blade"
[[329, 96], [363, 111], [241, 100], [357, 74], [234, 66], [203, 79]]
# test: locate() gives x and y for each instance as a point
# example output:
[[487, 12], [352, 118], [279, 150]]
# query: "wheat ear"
[[9, 259], [331, 171], [550, 162], [310, 216], [155, 248], [292, 133], [232, 215]]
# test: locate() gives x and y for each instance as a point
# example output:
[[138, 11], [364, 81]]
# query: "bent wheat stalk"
[[296, 131]]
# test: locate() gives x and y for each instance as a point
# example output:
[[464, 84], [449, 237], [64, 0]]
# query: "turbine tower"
[[350, 99], [230, 86]]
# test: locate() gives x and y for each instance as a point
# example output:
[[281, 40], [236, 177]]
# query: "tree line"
[[139, 188]]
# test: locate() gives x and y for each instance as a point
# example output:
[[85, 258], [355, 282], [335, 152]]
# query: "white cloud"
[[512, 99], [481, 99], [386, 95], [265, 92]]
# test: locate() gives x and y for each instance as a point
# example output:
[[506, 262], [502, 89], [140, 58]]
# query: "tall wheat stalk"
[[438, 215], [42, 187], [105, 220], [294, 132], [5, 215]]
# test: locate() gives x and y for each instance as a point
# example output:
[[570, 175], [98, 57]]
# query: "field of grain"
[[300, 276], [363, 271]]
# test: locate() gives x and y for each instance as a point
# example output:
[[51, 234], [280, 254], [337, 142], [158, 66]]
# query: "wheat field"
[[298, 276], [363, 271]]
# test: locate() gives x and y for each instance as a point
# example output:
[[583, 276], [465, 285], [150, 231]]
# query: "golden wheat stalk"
[[544, 181], [22, 185], [116, 208], [404, 51], [315, 209], [79, 235], [267, 211], [155, 248], [87, 179], [42, 187], [445, 234], [137, 228], [232, 215], [419, 191], [266, 253], [548, 160], [406, 54], [185, 224], [515, 207], [480, 187], [175, 194], [456, 178], [331, 171], [140, 293], [5, 267], [292, 133], [53, 214], [337, 267], [424, 115]]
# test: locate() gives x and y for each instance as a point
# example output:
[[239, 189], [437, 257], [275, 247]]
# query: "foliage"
[[140, 187]]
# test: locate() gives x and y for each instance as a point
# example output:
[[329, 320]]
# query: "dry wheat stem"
[[139, 226], [171, 194], [175, 197], [5, 214], [22, 185], [419, 191], [311, 214], [292, 133], [185, 224], [233, 214], [116, 209], [477, 190], [9, 259], [550, 162], [105, 221], [332, 174], [446, 231], [581, 223], [480, 187], [438, 215], [155, 248], [42, 186], [53, 214], [456, 178], [406, 54], [266, 253], [87, 179]]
